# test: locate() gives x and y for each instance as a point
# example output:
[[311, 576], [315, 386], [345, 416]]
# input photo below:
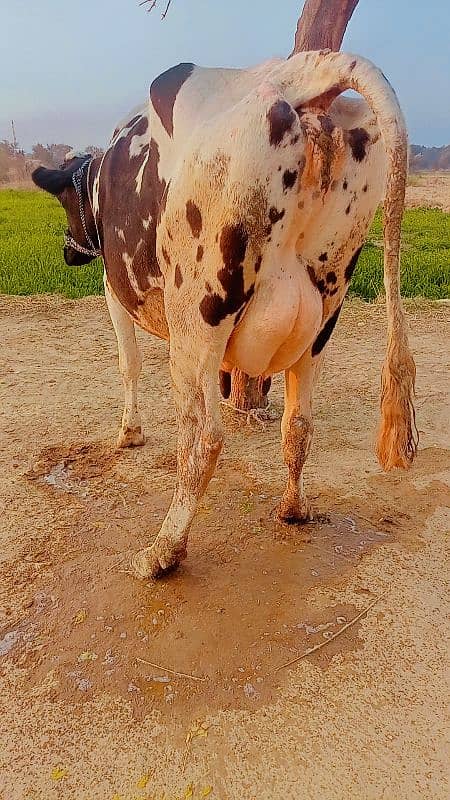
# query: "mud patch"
[[235, 611], [65, 467]]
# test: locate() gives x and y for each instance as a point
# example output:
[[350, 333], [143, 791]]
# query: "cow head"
[[69, 184]]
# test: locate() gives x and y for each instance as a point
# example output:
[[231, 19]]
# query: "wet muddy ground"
[[117, 688]]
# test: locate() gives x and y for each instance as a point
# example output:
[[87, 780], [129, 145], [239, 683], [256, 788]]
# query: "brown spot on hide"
[[164, 91], [351, 267], [331, 277], [199, 253], [312, 274], [358, 139], [289, 178], [139, 129], [258, 263], [275, 215], [214, 308], [347, 210], [365, 187], [119, 201], [233, 245], [326, 123], [281, 117], [194, 218], [325, 333], [323, 257], [345, 186], [178, 276]]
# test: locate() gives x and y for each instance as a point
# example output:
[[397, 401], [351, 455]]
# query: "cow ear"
[[52, 180]]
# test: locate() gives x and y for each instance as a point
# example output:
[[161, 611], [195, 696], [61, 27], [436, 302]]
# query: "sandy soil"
[[83, 716], [429, 190]]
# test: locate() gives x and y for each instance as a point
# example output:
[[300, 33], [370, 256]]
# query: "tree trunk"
[[322, 24]]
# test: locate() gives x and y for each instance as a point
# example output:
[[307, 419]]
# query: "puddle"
[[9, 640], [211, 635], [59, 478]]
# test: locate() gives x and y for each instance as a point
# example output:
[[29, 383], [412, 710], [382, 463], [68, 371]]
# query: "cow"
[[230, 211]]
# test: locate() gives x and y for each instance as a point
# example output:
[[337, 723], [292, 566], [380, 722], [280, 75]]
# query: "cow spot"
[[141, 127], [325, 333], [351, 267], [199, 253], [347, 210], [323, 257], [215, 308], [194, 218], [166, 256], [164, 91], [345, 186], [326, 123], [358, 139], [233, 245], [327, 285], [281, 117], [365, 187], [258, 263], [289, 178], [178, 276], [275, 215], [295, 138]]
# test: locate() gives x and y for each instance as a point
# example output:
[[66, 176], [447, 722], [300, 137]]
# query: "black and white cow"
[[230, 211]]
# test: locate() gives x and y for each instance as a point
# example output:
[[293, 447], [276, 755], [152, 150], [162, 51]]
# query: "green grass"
[[425, 261], [31, 249], [31, 252]]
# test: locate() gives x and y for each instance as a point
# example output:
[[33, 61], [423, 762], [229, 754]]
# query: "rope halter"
[[69, 241]]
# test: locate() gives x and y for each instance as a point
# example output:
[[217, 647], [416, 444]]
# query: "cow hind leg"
[[194, 364], [130, 363], [296, 432]]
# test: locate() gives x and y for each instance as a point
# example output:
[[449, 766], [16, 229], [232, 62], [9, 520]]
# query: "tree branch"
[[153, 3]]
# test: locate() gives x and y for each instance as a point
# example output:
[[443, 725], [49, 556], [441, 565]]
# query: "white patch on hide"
[[140, 174]]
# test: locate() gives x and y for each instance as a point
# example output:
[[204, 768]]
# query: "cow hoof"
[[157, 560], [294, 514], [131, 437]]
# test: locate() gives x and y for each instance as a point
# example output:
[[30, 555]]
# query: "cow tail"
[[324, 75]]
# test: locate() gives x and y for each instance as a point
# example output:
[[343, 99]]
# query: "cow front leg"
[[130, 363], [296, 432], [200, 441]]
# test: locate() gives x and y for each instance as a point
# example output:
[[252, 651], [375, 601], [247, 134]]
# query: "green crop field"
[[31, 252]]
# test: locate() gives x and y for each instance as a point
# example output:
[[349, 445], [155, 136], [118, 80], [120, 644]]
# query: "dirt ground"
[[429, 190], [85, 713]]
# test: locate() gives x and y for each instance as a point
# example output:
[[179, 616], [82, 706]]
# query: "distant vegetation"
[[425, 159], [16, 166], [31, 252]]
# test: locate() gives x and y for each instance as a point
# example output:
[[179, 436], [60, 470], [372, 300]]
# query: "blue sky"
[[70, 70]]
